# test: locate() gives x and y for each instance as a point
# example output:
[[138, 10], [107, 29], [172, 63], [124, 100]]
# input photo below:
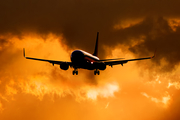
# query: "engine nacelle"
[[100, 66], [64, 66]]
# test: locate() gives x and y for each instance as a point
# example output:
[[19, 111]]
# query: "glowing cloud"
[[105, 91], [165, 99]]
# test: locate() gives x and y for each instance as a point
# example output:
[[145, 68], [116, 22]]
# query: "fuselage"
[[82, 59]]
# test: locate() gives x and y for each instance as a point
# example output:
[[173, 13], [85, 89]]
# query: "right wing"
[[50, 61], [111, 59], [116, 62]]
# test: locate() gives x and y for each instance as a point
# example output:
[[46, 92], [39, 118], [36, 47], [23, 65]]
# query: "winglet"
[[24, 52], [96, 46], [154, 54]]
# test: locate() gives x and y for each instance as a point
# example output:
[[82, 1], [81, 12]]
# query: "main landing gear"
[[75, 72], [96, 72]]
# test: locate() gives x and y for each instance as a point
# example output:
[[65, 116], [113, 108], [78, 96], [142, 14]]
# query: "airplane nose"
[[76, 56]]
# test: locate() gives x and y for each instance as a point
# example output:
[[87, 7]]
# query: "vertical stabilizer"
[[96, 46]]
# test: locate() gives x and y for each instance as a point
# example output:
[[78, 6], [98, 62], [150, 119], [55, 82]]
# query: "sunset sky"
[[52, 29]]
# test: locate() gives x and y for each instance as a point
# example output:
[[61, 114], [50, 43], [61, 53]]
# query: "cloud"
[[27, 85], [79, 21], [21, 76], [161, 36], [165, 99], [52, 29]]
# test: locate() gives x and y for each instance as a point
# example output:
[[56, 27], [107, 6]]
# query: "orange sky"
[[142, 90]]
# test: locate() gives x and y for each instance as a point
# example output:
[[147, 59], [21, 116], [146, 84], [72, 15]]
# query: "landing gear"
[[75, 72], [96, 72]]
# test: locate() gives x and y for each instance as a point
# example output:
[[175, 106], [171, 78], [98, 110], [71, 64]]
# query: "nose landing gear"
[[96, 72], [75, 72]]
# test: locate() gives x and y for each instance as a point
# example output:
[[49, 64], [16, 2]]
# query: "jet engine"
[[64, 66]]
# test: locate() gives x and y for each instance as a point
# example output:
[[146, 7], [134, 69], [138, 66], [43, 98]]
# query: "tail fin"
[[96, 46]]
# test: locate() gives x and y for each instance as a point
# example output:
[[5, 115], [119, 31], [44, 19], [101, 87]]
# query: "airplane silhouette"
[[85, 60]]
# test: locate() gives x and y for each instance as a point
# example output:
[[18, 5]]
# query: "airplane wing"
[[116, 62], [50, 61], [111, 59]]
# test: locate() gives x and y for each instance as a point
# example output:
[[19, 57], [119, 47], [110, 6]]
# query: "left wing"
[[50, 61], [116, 62]]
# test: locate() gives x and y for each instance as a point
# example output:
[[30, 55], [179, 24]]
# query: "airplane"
[[83, 60]]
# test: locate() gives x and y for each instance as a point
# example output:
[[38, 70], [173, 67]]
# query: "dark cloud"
[[79, 20], [161, 36]]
